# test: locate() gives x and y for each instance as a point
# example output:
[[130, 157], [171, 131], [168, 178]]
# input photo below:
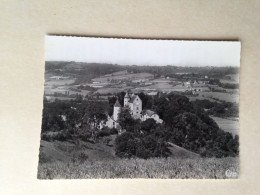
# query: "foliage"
[[67, 119], [143, 142], [168, 107], [107, 131], [60, 135], [95, 112], [219, 109], [125, 119], [195, 135], [185, 124], [80, 158], [224, 85]]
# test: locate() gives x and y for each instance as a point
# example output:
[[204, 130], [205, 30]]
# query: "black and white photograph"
[[140, 108]]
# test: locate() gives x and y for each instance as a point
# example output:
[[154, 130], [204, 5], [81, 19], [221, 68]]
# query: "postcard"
[[137, 108]]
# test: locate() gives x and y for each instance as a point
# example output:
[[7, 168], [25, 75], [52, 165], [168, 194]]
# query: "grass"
[[126, 76], [228, 125], [163, 168], [85, 160], [217, 95]]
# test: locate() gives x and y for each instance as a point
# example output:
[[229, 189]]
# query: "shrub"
[[133, 145], [60, 136], [125, 145], [81, 157], [43, 158], [106, 132]]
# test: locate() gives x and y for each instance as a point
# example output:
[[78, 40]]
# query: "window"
[[137, 108]]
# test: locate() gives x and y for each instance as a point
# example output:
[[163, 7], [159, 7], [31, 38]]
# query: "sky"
[[142, 52]]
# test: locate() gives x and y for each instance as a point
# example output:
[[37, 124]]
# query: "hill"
[[66, 151], [86, 160], [179, 152]]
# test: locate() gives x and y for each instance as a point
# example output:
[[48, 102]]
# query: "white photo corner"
[[136, 108]]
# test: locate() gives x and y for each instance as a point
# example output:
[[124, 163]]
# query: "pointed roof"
[[133, 98], [148, 112], [127, 95], [117, 104]]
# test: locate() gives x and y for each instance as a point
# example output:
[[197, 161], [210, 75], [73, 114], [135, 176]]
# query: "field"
[[123, 76], [84, 160], [213, 96], [163, 168], [228, 124], [111, 90]]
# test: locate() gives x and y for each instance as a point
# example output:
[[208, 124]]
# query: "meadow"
[[163, 168], [227, 124], [216, 96], [123, 76]]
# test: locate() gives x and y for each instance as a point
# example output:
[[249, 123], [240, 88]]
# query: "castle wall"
[[116, 113], [137, 108]]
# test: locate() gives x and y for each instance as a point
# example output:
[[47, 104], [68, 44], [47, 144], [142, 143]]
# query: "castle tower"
[[117, 108], [126, 99]]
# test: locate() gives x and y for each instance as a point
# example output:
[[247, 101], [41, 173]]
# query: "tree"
[[172, 105], [125, 119], [146, 100], [148, 125], [45, 121], [126, 145], [95, 113], [111, 101]]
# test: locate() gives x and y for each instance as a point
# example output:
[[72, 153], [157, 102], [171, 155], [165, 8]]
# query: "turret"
[[117, 108], [126, 99]]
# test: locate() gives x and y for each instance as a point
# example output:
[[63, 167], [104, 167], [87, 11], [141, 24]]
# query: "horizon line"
[[187, 66]]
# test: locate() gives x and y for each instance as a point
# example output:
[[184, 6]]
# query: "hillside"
[[101, 151], [66, 151], [179, 152]]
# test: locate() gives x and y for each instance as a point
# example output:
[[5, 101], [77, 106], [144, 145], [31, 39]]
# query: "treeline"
[[224, 85], [219, 109], [87, 71]]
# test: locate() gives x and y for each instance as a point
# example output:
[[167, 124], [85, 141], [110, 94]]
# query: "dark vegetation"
[[186, 124], [224, 85], [219, 109]]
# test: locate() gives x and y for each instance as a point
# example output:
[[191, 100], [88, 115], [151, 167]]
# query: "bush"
[[133, 145], [60, 136], [81, 157], [107, 131], [43, 158], [126, 145]]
